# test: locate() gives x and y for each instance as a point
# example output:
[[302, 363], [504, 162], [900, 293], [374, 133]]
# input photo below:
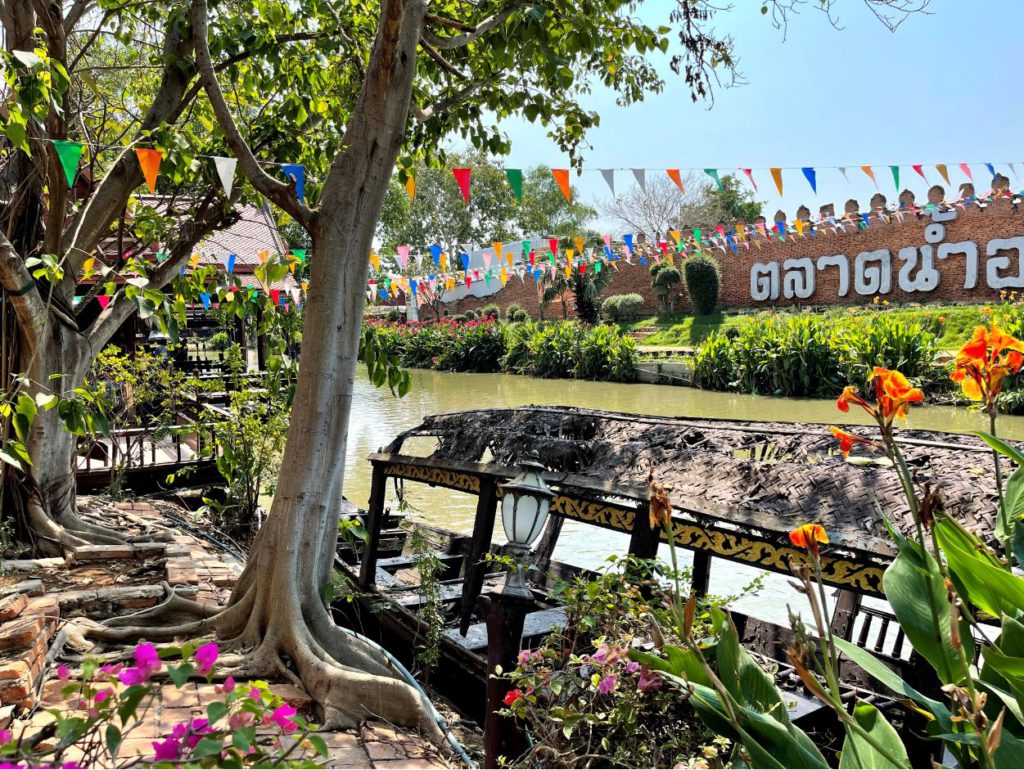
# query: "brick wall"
[[998, 220]]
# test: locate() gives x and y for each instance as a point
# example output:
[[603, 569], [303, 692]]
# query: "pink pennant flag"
[[403, 255], [607, 240], [487, 259], [919, 168], [462, 177], [750, 175], [104, 300], [967, 170]]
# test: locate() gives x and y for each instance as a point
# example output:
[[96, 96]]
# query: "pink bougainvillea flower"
[[524, 657], [166, 750], [229, 685], [147, 659], [111, 669], [102, 695], [63, 674], [632, 667], [648, 681], [240, 719], [601, 655], [5, 736], [190, 732], [281, 716], [205, 657], [254, 693], [607, 684], [132, 676]]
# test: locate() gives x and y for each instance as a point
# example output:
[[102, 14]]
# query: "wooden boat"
[[738, 489]]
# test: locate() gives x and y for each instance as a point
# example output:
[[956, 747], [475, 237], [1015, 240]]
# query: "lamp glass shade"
[[519, 516]]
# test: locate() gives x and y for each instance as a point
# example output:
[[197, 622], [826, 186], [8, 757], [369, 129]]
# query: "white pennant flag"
[[842, 170], [641, 178], [226, 172], [1013, 168], [609, 178]]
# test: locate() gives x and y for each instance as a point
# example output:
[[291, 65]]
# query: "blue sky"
[[942, 89]]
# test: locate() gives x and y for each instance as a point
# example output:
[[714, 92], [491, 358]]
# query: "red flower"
[[512, 696], [847, 440], [808, 536]]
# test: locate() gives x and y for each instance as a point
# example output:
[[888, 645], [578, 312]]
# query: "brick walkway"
[[31, 606]]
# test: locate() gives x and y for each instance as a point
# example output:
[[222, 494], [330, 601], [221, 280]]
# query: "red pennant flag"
[[533, 256], [553, 245], [104, 300], [673, 174], [583, 268], [462, 177], [561, 176], [664, 247], [920, 170], [275, 297], [468, 280]]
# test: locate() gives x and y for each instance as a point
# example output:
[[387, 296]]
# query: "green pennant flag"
[[300, 254], [597, 267], [69, 153], [713, 173], [515, 181], [696, 236], [896, 177]]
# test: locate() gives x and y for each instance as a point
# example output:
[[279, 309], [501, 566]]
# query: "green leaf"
[[318, 743], [180, 674], [216, 711], [858, 751], [1001, 446], [113, 738], [209, 746], [130, 700], [746, 681], [985, 583], [243, 737], [1010, 752]]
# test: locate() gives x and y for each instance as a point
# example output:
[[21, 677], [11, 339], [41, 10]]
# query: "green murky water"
[[377, 418]]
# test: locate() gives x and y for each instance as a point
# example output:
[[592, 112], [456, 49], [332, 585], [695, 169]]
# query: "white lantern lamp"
[[525, 504]]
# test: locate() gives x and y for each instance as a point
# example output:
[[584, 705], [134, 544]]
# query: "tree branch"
[[482, 28], [22, 293], [280, 193], [423, 114]]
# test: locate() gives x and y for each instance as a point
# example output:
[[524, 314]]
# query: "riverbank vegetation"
[[566, 349]]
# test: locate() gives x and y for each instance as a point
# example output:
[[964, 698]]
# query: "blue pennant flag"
[[230, 265], [866, 220], [812, 178], [608, 252], [991, 170], [628, 240], [643, 261], [732, 242], [435, 252], [383, 293], [536, 275], [297, 172], [205, 298], [465, 261], [415, 287]]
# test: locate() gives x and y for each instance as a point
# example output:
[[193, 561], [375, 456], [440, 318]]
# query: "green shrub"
[[492, 312], [457, 318], [519, 316], [664, 276], [621, 308], [219, 341], [890, 342], [511, 311], [702, 282], [471, 315], [393, 315], [714, 367]]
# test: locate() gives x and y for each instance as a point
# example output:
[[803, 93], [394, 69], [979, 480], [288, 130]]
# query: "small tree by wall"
[[664, 276], [702, 283]]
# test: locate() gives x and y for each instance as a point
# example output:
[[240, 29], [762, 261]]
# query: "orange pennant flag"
[[673, 174], [579, 244], [375, 260], [941, 168], [497, 251], [410, 187], [676, 235], [777, 176], [870, 172], [149, 162], [561, 176]]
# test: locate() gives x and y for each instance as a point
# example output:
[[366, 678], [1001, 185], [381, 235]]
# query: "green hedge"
[[562, 349]]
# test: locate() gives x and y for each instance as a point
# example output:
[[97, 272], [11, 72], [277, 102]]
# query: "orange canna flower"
[[808, 536], [847, 440], [983, 362], [893, 393]]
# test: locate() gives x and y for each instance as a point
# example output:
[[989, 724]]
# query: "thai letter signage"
[[912, 269]]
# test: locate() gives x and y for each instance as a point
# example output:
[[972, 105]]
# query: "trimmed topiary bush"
[[511, 311], [702, 282], [493, 312], [663, 278], [622, 307], [519, 316], [392, 315], [470, 315]]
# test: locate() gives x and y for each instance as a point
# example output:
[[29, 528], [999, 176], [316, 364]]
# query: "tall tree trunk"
[[277, 612]]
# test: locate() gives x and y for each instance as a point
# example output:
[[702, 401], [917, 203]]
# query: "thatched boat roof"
[[779, 475]]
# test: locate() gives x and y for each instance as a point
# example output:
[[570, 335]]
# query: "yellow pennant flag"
[[305, 285], [777, 178], [410, 187], [800, 225], [444, 260], [568, 271], [262, 255], [579, 242], [941, 168], [676, 235], [375, 260], [504, 277], [740, 228], [88, 266], [569, 254], [195, 259]]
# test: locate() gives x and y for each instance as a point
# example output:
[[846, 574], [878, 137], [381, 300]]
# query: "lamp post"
[[525, 503]]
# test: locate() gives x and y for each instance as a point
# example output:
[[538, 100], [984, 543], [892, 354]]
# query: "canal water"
[[377, 417]]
